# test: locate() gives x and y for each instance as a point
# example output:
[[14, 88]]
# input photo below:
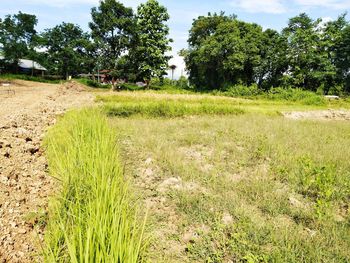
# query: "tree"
[[343, 57], [66, 46], [152, 40], [273, 63], [17, 37], [112, 26], [306, 61], [172, 68], [223, 51]]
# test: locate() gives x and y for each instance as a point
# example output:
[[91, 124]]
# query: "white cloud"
[[258, 6], [333, 4]]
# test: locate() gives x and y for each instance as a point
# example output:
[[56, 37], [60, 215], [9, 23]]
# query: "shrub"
[[243, 91], [296, 95], [93, 84]]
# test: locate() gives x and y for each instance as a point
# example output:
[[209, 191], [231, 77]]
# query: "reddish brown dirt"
[[24, 182]]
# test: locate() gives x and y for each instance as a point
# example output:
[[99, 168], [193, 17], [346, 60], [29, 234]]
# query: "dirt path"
[[24, 183]]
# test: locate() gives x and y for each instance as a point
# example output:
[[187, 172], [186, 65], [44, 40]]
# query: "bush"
[[296, 95], [129, 86], [93, 84], [243, 91]]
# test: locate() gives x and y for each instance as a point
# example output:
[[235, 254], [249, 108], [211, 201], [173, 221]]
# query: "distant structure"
[[30, 67]]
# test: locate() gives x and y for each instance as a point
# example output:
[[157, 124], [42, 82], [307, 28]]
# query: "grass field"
[[223, 180], [242, 188]]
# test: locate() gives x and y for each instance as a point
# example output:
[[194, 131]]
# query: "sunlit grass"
[[175, 105], [93, 218]]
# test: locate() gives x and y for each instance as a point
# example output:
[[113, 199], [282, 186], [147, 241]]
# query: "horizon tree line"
[[131, 45], [222, 52], [308, 54]]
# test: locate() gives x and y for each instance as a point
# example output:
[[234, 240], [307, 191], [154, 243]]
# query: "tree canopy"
[[112, 26], [67, 46], [309, 54], [17, 37], [152, 42], [223, 51]]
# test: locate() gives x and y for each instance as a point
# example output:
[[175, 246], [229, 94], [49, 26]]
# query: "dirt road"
[[24, 182]]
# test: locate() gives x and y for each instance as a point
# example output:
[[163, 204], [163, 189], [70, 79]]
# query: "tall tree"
[[330, 41], [112, 27], [343, 57], [152, 42], [66, 46], [223, 51], [304, 55], [17, 37], [273, 63]]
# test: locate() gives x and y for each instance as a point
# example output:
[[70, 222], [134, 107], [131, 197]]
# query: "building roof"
[[29, 64]]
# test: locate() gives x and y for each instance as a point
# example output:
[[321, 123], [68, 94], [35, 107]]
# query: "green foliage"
[[151, 40], [112, 26], [243, 91], [66, 46], [298, 95], [93, 84], [130, 86], [93, 218], [224, 51], [17, 38]]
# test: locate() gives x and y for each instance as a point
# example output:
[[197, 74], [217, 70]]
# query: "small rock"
[[3, 179], [295, 202], [22, 231], [227, 219], [148, 161], [31, 149]]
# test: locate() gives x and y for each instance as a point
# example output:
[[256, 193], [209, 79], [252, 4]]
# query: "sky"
[[268, 13]]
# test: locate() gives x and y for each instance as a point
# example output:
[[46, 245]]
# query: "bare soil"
[[319, 115], [24, 181]]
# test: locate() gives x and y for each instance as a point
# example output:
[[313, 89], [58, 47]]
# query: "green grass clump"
[[168, 109], [93, 218]]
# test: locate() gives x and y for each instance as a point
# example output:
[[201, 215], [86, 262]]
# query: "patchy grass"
[[93, 218], [242, 188]]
